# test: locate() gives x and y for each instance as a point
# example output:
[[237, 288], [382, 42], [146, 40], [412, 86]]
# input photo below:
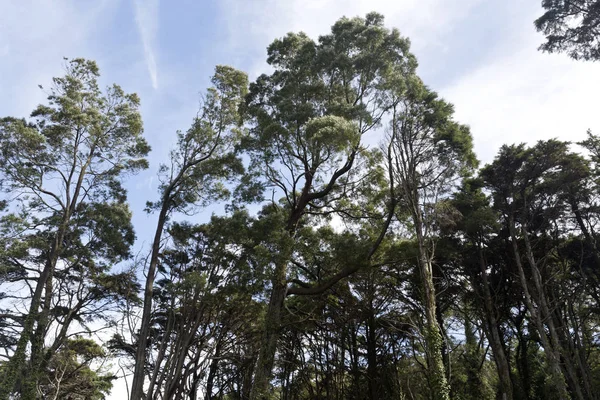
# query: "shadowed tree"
[[72, 374], [530, 188], [477, 228], [572, 27]]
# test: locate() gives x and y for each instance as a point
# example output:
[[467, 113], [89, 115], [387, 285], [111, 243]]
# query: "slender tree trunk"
[[372, 357], [445, 353], [341, 367], [154, 380], [577, 365], [549, 317], [552, 356], [354, 361], [248, 372], [522, 362], [440, 389], [472, 361], [494, 335], [212, 371], [268, 348], [17, 366], [137, 386], [579, 352], [176, 377]]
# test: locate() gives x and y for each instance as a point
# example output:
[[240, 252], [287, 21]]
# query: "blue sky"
[[480, 55]]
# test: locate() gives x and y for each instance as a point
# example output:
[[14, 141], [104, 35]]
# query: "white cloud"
[[512, 94], [522, 95], [252, 25], [146, 19]]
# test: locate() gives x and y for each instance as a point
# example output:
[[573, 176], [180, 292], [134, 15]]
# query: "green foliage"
[[72, 375], [571, 26], [205, 156], [309, 115], [394, 272], [64, 171]]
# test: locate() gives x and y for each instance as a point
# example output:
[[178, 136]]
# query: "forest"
[[360, 250]]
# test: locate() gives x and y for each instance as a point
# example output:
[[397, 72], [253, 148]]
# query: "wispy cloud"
[[33, 41], [146, 19]]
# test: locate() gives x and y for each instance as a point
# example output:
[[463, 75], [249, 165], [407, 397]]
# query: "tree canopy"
[[572, 27], [361, 251]]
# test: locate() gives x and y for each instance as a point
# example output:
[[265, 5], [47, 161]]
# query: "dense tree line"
[[339, 269]]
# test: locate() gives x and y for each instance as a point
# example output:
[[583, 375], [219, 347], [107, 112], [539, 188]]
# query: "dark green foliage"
[[571, 26], [72, 375], [396, 271]]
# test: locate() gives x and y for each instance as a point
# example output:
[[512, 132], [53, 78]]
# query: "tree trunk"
[[553, 358], [438, 384], [212, 372], [445, 353], [248, 372], [494, 335], [17, 366], [549, 317], [137, 386], [268, 348], [472, 362], [372, 357], [354, 361], [522, 361], [579, 353]]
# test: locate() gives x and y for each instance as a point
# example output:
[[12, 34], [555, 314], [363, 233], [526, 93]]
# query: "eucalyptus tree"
[[308, 118], [205, 157], [68, 216], [428, 153]]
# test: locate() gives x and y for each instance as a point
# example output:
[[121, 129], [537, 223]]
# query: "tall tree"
[[427, 153], [64, 169], [308, 120], [478, 226], [204, 158], [528, 186]]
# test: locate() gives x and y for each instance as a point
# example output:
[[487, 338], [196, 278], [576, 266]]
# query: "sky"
[[479, 55]]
